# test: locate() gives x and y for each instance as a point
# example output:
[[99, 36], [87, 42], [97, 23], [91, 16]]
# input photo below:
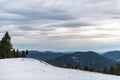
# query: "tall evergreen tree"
[[27, 52], [23, 54], [6, 45], [78, 67], [112, 70], [105, 70], [69, 65], [117, 69]]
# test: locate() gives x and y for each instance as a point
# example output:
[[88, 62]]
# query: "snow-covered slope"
[[30, 69]]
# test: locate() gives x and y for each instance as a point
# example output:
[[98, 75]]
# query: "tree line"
[[114, 70], [7, 50]]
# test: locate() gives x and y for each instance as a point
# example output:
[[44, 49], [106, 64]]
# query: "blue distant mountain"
[[90, 59], [44, 55], [115, 55]]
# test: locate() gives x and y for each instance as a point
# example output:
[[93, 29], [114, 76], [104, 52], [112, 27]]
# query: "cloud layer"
[[62, 24]]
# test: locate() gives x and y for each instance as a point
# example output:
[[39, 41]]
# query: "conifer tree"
[[112, 70], [77, 67], [117, 69], [26, 52], [6, 46], [105, 70], [23, 54], [69, 65]]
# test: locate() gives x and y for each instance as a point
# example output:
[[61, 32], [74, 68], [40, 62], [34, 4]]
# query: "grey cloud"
[[80, 36], [116, 17], [28, 28], [107, 29], [97, 1], [26, 12], [72, 24], [43, 14], [30, 13], [25, 28]]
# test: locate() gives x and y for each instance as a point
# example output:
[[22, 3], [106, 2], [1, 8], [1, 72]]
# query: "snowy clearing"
[[31, 69]]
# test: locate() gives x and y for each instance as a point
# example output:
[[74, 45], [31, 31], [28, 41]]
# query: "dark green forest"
[[113, 70], [7, 50]]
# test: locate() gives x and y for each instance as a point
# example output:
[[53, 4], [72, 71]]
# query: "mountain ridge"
[[44, 55], [90, 59], [115, 55]]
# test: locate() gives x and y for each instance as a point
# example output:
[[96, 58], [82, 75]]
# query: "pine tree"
[[69, 65], [17, 53], [13, 53], [117, 69], [23, 54], [112, 70], [6, 46], [86, 68], [105, 70], [78, 67], [26, 52]]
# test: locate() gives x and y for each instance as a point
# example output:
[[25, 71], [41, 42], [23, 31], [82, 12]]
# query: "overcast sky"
[[62, 25]]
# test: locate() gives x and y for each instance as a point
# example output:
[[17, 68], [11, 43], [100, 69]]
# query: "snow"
[[75, 57], [31, 69], [118, 60]]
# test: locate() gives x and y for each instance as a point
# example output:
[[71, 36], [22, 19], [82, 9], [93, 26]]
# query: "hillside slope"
[[115, 55], [90, 59], [30, 69]]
